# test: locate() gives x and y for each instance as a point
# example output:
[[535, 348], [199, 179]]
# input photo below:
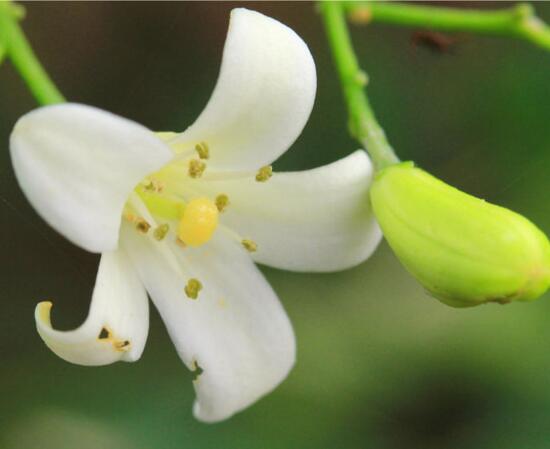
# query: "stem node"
[[362, 123]]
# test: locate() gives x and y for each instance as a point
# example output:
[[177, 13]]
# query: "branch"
[[518, 21], [18, 49], [363, 125]]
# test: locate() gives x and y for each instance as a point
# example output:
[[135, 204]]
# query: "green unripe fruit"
[[462, 249]]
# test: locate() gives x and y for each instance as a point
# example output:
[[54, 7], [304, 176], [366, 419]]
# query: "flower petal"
[[236, 331], [263, 97], [77, 165], [316, 220], [117, 324]]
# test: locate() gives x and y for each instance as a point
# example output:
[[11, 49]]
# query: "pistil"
[[198, 222]]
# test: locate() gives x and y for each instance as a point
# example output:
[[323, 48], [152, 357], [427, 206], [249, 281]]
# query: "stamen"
[[104, 334], [222, 201], [154, 185], [193, 288], [250, 245], [180, 243], [196, 371], [203, 150], [142, 225], [161, 231], [264, 173], [107, 336], [196, 168]]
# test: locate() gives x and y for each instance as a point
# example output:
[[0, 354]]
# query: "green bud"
[[462, 249]]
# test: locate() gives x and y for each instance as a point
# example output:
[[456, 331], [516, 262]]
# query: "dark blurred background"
[[380, 363]]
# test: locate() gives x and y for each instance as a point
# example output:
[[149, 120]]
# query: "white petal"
[[77, 165], [117, 324], [236, 330], [263, 97], [315, 220]]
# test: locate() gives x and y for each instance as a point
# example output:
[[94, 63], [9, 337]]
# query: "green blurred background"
[[380, 363]]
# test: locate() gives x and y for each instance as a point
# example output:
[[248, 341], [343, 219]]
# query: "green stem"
[[2, 53], [23, 58], [518, 21], [362, 123]]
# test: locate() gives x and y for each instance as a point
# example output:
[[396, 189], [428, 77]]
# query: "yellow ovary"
[[198, 222]]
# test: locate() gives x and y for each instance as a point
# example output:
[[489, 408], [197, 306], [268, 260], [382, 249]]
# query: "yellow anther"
[[142, 225], [198, 222], [161, 231], [222, 201], [153, 185], [196, 168], [202, 150], [250, 245], [193, 288], [264, 173]]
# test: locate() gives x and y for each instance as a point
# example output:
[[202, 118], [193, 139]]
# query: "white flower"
[[198, 208]]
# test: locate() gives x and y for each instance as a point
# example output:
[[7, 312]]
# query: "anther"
[[196, 168], [264, 173], [196, 371], [202, 150], [193, 288], [250, 245], [161, 231], [104, 334], [222, 201], [180, 243], [154, 185], [142, 225]]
